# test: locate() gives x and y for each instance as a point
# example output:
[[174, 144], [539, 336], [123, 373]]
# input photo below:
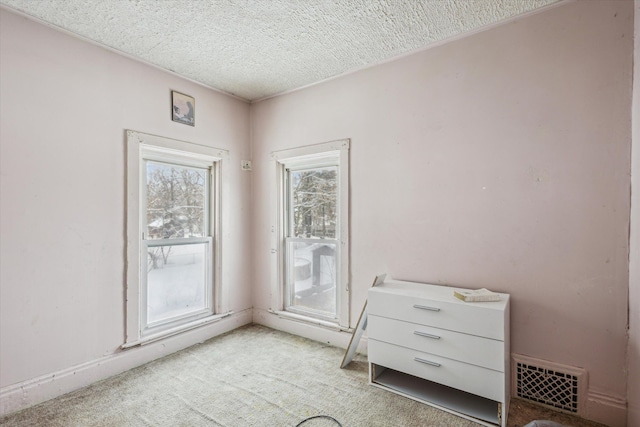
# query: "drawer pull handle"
[[424, 334], [426, 362], [425, 307]]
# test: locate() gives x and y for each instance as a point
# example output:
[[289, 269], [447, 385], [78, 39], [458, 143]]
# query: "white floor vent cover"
[[558, 386]]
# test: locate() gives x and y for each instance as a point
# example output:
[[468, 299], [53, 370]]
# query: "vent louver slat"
[[548, 387], [557, 386]]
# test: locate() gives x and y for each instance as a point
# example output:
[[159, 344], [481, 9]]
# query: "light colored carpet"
[[253, 376]]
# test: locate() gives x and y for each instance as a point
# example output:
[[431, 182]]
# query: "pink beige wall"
[[64, 107], [634, 258], [498, 160]]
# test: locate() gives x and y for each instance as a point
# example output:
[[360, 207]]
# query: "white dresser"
[[425, 344]]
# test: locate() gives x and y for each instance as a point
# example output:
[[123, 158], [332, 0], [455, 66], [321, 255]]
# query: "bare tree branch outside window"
[[175, 206], [314, 203]]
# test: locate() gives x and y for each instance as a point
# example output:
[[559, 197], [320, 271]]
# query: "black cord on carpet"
[[318, 416]]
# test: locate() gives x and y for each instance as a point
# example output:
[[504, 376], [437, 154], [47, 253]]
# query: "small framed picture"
[[183, 108]]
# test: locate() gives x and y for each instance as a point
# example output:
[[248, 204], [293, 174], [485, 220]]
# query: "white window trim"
[[166, 148], [292, 158]]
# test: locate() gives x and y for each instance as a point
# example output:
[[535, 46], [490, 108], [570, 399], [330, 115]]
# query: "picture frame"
[[183, 108]]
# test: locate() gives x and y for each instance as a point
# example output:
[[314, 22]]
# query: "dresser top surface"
[[435, 292]]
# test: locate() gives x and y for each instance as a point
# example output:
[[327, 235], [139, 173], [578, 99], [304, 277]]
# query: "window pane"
[[176, 197], [313, 198], [176, 281], [313, 277]]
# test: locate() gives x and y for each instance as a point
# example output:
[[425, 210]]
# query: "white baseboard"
[[37, 390], [309, 330], [606, 409]]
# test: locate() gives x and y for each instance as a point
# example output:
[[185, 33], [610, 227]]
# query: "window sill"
[[310, 320], [174, 331]]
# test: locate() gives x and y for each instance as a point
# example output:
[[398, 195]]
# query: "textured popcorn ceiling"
[[257, 48]]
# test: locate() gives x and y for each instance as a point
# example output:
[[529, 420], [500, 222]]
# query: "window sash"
[[289, 204], [192, 164], [289, 267], [150, 154], [291, 279], [152, 327]]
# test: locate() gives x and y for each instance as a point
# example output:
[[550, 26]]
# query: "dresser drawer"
[[462, 376], [471, 349], [422, 305]]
